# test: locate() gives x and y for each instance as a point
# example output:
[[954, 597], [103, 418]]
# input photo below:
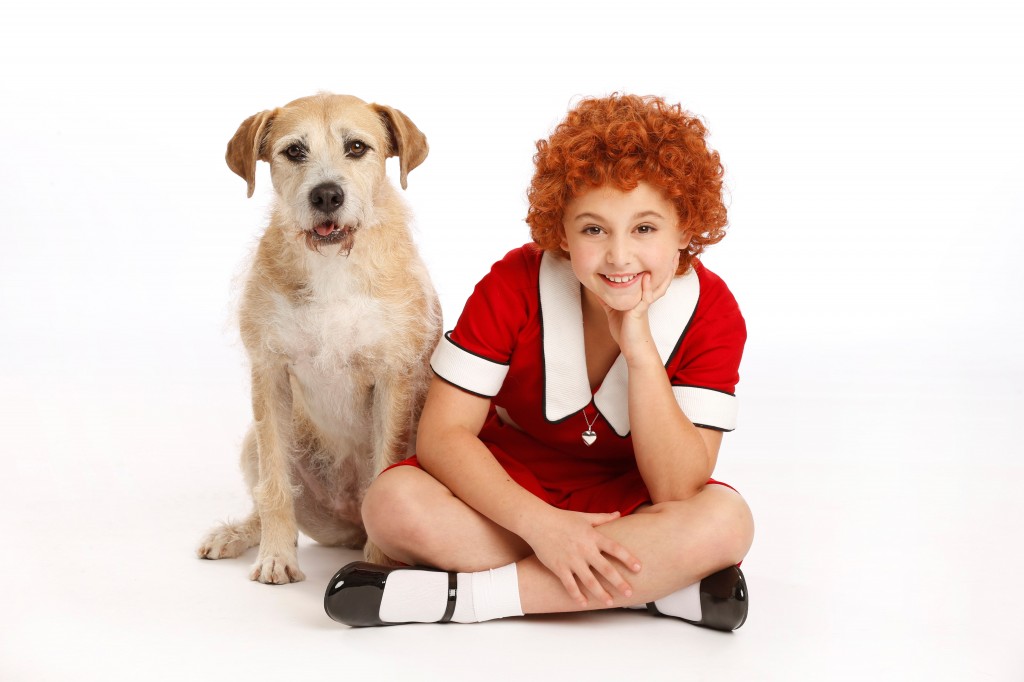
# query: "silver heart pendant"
[[589, 437]]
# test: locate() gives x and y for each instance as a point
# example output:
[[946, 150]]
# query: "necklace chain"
[[589, 436]]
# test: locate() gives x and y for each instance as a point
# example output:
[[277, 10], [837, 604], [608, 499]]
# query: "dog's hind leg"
[[375, 555], [229, 540]]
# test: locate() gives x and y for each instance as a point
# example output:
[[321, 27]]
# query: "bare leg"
[[417, 520], [678, 544]]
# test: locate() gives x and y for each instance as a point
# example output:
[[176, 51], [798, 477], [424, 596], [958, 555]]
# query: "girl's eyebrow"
[[637, 216]]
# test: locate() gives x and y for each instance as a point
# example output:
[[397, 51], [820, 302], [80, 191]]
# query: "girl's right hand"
[[569, 546]]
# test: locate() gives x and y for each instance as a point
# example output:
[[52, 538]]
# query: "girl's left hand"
[[631, 327]]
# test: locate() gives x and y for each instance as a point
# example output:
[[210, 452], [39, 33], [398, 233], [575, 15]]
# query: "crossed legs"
[[415, 519]]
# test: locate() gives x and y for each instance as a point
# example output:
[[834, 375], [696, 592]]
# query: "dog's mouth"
[[328, 233]]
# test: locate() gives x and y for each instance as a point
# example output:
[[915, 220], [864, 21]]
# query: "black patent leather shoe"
[[354, 594], [723, 600]]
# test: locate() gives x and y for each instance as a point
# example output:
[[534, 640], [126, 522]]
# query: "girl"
[[566, 446]]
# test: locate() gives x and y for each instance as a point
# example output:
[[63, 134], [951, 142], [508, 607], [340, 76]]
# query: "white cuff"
[[467, 370], [707, 407]]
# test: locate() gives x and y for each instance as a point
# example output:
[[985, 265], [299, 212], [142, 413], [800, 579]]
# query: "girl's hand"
[[631, 328], [570, 547]]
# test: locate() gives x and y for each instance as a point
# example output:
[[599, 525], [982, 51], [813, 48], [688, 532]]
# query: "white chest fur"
[[334, 341]]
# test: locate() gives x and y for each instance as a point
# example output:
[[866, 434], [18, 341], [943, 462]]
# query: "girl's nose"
[[618, 252]]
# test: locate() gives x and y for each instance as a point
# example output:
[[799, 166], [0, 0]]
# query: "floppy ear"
[[407, 142], [245, 148]]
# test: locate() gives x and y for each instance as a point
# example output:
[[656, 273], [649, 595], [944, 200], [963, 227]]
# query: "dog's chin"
[[328, 234]]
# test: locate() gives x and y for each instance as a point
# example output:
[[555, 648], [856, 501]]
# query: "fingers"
[[587, 575], [584, 561], [663, 286], [609, 546], [625, 557], [568, 580], [599, 564], [595, 587], [598, 519], [649, 294]]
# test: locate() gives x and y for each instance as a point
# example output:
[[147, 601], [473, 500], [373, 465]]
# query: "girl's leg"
[[677, 543], [416, 520]]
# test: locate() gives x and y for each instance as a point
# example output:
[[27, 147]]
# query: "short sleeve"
[[475, 355], [706, 376]]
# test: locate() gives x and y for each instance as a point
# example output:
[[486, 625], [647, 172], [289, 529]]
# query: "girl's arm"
[[675, 458], [566, 542]]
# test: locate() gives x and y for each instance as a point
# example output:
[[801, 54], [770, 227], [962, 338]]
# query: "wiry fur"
[[338, 331]]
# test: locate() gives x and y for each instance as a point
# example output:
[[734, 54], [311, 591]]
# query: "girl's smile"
[[624, 280], [614, 238]]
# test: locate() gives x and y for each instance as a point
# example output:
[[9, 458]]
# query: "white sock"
[[493, 594], [412, 596], [684, 603]]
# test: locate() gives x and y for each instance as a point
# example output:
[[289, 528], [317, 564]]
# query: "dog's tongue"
[[325, 229]]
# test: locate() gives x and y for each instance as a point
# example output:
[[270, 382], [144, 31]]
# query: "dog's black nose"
[[327, 197]]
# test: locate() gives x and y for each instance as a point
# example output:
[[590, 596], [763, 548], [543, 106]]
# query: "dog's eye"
[[356, 148], [295, 152]]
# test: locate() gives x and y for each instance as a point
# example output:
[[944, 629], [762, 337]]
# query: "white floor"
[[887, 550], [873, 167]]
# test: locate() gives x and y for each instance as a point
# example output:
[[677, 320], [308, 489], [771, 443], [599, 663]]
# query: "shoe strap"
[[453, 588]]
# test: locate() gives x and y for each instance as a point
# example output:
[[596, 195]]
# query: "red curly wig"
[[622, 140]]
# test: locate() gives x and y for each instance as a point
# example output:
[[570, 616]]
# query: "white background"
[[873, 154]]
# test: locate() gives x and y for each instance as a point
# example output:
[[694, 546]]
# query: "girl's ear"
[[684, 239]]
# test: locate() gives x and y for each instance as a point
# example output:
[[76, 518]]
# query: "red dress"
[[519, 342]]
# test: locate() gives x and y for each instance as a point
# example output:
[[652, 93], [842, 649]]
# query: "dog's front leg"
[[277, 562], [392, 422]]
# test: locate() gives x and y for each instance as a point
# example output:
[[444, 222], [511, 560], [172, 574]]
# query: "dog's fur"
[[338, 317]]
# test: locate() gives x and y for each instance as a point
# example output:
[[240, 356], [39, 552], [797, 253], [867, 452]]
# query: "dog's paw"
[[228, 541], [276, 570], [375, 555]]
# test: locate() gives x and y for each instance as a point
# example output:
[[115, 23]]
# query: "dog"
[[338, 317]]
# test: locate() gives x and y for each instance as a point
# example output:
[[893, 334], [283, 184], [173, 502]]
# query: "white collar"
[[566, 387]]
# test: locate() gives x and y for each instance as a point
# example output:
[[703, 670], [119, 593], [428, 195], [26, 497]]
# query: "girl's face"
[[614, 237]]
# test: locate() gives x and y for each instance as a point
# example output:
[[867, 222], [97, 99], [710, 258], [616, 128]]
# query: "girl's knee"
[[389, 506], [732, 527], [716, 525]]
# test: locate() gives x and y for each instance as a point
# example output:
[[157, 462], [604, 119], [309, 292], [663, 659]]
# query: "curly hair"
[[622, 140]]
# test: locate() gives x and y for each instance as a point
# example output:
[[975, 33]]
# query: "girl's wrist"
[[530, 517], [642, 355]]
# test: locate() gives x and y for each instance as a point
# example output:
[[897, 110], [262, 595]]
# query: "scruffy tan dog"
[[339, 319]]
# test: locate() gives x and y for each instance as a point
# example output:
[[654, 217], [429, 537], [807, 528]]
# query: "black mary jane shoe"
[[354, 594], [723, 600]]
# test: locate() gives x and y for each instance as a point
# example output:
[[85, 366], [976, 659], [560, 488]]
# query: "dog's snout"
[[327, 197]]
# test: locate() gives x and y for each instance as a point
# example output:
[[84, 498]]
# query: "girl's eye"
[[645, 229], [592, 230]]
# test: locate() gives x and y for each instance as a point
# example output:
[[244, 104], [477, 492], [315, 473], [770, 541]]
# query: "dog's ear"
[[246, 147], [407, 142]]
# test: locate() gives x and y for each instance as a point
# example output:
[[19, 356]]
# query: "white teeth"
[[620, 280]]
